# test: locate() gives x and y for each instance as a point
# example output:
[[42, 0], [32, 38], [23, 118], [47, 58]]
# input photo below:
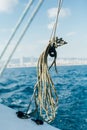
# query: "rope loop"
[[52, 51]]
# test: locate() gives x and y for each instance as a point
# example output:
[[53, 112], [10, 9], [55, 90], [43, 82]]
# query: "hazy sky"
[[72, 27]]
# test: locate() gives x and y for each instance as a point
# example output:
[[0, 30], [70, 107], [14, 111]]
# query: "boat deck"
[[9, 121]]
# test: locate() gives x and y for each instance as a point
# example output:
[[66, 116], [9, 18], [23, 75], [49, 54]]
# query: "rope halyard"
[[45, 95], [46, 98], [53, 34]]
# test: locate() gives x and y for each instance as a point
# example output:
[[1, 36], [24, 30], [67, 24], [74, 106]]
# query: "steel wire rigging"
[[22, 33], [44, 94]]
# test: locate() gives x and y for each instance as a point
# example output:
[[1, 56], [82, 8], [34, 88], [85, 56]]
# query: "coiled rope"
[[45, 95]]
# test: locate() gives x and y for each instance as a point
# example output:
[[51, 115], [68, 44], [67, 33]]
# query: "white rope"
[[58, 11], [22, 34], [17, 26], [53, 34]]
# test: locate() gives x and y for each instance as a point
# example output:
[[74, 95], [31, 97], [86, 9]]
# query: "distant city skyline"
[[71, 27], [32, 62]]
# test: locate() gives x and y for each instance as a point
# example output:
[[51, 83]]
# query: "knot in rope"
[[52, 51], [45, 94]]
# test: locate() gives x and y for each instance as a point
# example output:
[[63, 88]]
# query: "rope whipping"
[[45, 94]]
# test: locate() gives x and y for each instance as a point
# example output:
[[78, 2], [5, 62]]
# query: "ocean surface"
[[16, 88]]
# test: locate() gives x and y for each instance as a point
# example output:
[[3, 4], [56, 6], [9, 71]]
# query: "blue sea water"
[[16, 88]]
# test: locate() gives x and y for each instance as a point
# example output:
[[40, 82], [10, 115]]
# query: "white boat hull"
[[10, 121]]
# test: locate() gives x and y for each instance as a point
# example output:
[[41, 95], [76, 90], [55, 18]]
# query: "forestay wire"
[[22, 34], [17, 26], [45, 95]]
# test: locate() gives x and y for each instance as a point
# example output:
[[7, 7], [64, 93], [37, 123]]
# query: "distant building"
[[32, 61]]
